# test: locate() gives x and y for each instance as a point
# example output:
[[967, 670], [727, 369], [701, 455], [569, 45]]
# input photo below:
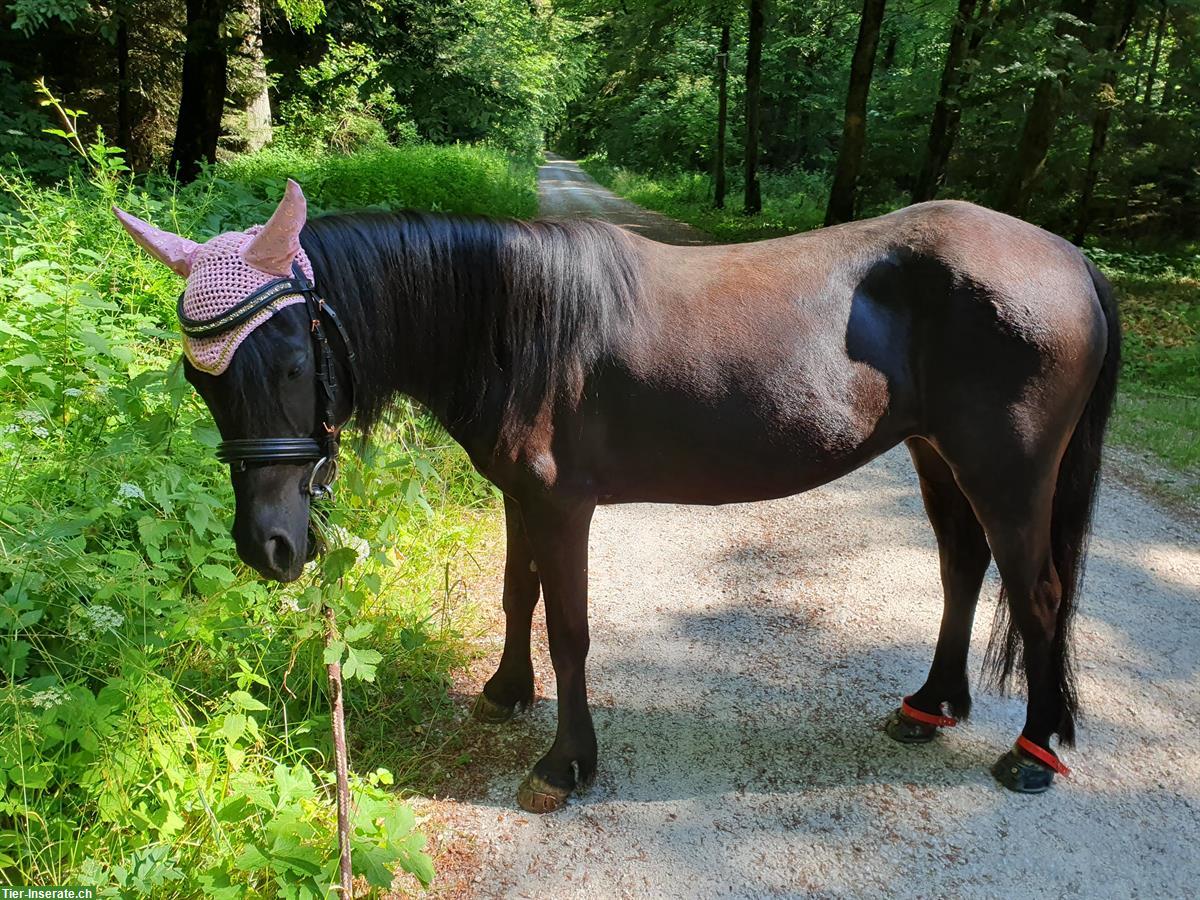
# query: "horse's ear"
[[170, 249], [273, 249]]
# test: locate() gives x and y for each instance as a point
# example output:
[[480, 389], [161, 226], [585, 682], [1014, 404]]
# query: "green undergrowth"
[[1158, 407], [163, 720], [792, 201]]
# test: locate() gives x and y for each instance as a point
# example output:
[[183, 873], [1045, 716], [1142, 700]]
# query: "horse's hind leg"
[[1015, 507], [512, 685], [963, 551]]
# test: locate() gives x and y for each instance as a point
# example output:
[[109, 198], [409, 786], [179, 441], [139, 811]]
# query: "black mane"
[[473, 317]]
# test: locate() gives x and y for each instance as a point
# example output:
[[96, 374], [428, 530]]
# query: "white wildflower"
[[128, 491], [101, 617], [30, 416], [49, 698], [10, 429], [39, 431], [344, 538], [289, 605], [73, 392]]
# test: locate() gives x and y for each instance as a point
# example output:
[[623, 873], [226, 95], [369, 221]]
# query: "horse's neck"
[[438, 343]]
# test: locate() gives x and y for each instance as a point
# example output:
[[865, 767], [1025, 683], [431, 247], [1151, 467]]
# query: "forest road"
[[742, 661]]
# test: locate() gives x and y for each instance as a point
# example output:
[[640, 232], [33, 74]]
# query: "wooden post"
[[339, 754]]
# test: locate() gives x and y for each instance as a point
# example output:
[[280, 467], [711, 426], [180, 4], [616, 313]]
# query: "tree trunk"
[[889, 52], [202, 97], [258, 107], [1033, 145], [124, 114], [1143, 45], [854, 127], [722, 117], [937, 152], [753, 199], [1183, 24], [1106, 100], [1041, 120], [1160, 29]]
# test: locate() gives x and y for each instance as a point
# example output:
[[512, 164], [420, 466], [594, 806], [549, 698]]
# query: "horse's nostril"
[[280, 553]]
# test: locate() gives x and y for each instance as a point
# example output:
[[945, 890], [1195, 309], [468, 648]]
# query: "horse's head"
[[276, 398]]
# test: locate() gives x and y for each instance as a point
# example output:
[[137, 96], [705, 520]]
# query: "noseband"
[[243, 452]]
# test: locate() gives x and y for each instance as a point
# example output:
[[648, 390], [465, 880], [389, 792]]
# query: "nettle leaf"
[[338, 562], [223, 575], [293, 784], [235, 756], [198, 517], [244, 700], [26, 362], [234, 727]]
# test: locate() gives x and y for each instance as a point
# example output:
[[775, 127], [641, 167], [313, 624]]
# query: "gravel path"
[[742, 660]]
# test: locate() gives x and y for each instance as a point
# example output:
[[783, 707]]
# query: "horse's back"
[[763, 369]]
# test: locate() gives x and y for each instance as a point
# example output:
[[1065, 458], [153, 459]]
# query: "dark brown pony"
[[581, 365]]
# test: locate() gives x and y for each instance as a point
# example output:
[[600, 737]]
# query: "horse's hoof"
[[1019, 773], [489, 712], [536, 795], [900, 727]]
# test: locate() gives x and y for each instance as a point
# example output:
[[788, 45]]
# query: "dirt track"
[[743, 658]]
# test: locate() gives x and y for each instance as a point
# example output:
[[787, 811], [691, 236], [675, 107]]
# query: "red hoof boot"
[[1028, 768], [909, 725]]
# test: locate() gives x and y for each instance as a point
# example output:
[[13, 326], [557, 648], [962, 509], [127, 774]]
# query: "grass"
[[1158, 408], [163, 723]]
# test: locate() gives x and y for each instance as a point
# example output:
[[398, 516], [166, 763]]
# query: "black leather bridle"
[[321, 452]]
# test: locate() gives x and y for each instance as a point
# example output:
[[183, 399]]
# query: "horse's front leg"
[[512, 685], [559, 538]]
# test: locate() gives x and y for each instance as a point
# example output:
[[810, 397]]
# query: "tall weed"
[[163, 726]]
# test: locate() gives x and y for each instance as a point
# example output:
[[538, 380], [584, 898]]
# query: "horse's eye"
[[295, 371]]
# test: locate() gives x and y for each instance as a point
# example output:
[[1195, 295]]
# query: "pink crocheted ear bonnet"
[[225, 270]]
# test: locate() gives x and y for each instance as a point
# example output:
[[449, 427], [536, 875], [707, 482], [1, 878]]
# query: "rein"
[[322, 452]]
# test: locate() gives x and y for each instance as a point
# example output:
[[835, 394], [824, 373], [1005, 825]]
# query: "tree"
[[1045, 109], [124, 113], [1159, 30], [1182, 56], [965, 36], [1106, 101], [257, 105], [202, 92], [854, 127], [753, 198], [722, 117]]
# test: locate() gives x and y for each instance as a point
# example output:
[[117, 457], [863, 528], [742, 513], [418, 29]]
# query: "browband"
[[244, 311]]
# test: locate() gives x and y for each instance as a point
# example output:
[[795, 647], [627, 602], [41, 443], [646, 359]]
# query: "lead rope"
[[340, 756], [326, 374]]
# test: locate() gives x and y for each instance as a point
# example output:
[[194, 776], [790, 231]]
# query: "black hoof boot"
[[1019, 773], [901, 728]]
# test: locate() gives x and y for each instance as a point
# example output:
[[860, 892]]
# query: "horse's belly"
[[734, 453]]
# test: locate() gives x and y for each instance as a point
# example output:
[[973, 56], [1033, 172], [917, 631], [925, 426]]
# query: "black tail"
[[1071, 522]]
